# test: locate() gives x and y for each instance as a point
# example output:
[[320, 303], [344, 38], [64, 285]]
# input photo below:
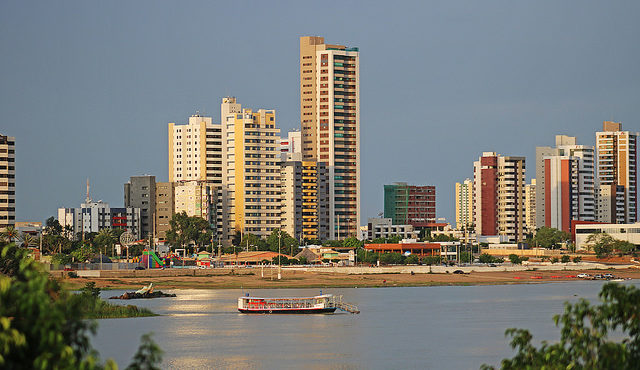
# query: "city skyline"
[[438, 113]]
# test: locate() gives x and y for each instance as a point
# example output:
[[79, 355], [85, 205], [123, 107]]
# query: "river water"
[[449, 327]]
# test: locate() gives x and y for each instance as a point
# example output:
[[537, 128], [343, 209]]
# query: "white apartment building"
[[195, 151], [384, 228], [291, 191], [92, 217], [566, 184], [195, 154], [291, 146]]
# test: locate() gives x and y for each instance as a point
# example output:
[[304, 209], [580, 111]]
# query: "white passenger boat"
[[325, 303]]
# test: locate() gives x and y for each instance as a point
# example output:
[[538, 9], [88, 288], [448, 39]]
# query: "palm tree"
[[9, 233], [27, 240], [105, 238]]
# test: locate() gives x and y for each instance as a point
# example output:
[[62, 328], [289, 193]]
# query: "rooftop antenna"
[[88, 200]]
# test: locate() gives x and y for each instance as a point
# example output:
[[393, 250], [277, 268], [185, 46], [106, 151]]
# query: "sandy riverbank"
[[253, 279]]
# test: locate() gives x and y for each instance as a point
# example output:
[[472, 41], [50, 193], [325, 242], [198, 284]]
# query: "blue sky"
[[87, 87]]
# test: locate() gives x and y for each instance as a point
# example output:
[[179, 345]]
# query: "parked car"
[[583, 275], [608, 276], [140, 268], [598, 276], [492, 265], [458, 272]]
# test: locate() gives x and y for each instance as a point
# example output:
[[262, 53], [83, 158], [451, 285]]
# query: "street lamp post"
[[279, 245]]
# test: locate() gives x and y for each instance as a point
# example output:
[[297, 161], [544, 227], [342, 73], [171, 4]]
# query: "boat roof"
[[314, 297]]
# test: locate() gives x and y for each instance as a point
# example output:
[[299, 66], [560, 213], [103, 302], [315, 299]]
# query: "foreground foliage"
[[584, 342], [41, 325]]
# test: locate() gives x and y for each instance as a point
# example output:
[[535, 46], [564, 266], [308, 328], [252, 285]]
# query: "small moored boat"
[[325, 303]]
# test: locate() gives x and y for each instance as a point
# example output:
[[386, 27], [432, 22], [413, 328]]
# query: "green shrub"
[[431, 260], [61, 259], [515, 259]]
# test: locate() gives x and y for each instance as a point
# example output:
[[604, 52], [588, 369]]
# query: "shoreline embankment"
[[341, 277]]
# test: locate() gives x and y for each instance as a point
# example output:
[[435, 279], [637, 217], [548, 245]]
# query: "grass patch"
[[106, 310], [93, 307]]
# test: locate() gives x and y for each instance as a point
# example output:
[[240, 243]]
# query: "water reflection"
[[430, 327]]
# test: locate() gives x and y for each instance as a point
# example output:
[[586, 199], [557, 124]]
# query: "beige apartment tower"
[[330, 120], [251, 169], [617, 169], [530, 206], [7, 181], [464, 204]]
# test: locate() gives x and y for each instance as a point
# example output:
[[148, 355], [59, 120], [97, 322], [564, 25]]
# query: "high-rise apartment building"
[[464, 204], [305, 194], [617, 153], [291, 192], [315, 201], [410, 204], [566, 184], [195, 154], [499, 204], [7, 181], [251, 170], [195, 151], [140, 192], [164, 207], [330, 119], [530, 206]]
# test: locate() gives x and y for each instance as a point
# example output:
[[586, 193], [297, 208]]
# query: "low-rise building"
[[626, 232], [250, 258], [92, 217], [468, 235], [384, 228], [418, 248], [344, 255]]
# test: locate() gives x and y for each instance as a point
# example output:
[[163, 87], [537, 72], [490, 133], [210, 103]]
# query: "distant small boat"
[[326, 303]]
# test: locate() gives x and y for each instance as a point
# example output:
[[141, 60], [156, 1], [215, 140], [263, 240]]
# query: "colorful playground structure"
[[150, 259]]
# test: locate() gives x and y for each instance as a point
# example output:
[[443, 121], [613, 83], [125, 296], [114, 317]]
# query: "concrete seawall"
[[451, 269], [342, 270]]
